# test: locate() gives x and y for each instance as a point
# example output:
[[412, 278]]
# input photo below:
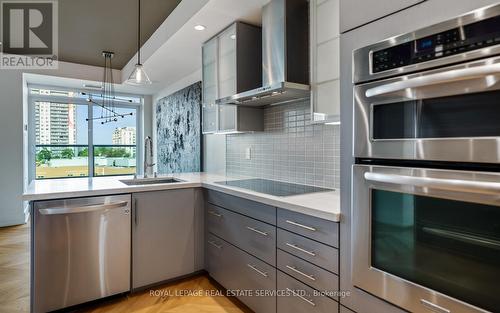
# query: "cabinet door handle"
[[83, 209], [291, 245], [257, 231], [214, 213], [257, 270], [293, 268], [214, 244], [301, 297], [300, 225]]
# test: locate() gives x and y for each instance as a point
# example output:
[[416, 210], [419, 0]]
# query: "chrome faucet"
[[148, 142]]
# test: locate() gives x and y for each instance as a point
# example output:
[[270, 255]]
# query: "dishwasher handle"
[[83, 209]]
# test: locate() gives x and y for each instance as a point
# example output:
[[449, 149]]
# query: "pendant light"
[[139, 76], [106, 100]]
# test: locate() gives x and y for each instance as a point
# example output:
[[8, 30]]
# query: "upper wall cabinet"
[[209, 94], [324, 54], [354, 13], [231, 64]]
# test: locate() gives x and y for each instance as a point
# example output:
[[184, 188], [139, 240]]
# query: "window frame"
[[33, 98]]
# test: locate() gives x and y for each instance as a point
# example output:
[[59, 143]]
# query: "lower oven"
[[427, 240]]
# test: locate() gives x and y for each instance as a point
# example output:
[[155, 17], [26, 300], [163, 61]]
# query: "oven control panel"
[[454, 41]]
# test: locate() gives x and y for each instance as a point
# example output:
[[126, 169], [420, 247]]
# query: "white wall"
[[214, 146]]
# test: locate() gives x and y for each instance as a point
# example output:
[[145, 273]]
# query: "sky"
[[102, 133]]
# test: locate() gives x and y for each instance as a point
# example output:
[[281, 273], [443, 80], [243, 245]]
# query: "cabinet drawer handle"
[[300, 225], [214, 213], [257, 231], [301, 297], [257, 270], [291, 245], [214, 244], [293, 268]]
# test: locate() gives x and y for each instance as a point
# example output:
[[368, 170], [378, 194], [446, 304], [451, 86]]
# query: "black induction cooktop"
[[272, 187]]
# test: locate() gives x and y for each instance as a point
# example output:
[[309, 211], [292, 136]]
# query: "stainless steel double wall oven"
[[426, 184]]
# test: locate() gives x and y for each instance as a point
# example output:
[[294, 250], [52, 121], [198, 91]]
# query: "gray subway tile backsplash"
[[290, 149]]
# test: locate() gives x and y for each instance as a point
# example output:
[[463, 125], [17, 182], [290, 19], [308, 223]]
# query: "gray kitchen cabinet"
[[247, 250], [307, 273], [164, 235], [300, 298], [239, 271], [231, 64], [252, 236], [232, 118], [312, 227], [355, 13], [312, 251], [256, 210]]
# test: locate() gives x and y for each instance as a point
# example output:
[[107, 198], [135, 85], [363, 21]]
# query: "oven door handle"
[[432, 79], [478, 187]]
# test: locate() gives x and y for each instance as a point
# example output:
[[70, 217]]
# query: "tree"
[[84, 153], [44, 155], [67, 153]]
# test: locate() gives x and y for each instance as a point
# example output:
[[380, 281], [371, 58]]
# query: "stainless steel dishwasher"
[[80, 250]]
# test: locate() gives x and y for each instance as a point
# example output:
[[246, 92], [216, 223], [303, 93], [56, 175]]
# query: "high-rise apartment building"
[[55, 123], [124, 136]]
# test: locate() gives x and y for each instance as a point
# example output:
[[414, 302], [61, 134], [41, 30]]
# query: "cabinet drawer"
[[312, 227], [306, 272], [237, 270], [216, 251], [248, 234], [300, 298], [309, 250], [246, 207]]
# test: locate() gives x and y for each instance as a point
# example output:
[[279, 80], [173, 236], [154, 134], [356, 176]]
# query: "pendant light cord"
[[139, 34]]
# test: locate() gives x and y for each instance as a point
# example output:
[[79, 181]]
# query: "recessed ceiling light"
[[233, 36], [200, 27]]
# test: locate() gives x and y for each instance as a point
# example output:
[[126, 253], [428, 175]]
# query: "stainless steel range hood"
[[285, 56]]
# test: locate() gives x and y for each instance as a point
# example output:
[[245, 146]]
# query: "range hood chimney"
[[285, 56]]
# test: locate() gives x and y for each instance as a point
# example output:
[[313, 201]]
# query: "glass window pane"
[[114, 142], [449, 246], [61, 137]]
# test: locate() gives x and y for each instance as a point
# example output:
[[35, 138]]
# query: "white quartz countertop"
[[324, 205]]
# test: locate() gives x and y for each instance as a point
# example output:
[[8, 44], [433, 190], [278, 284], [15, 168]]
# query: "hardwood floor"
[[192, 295], [14, 269], [170, 298]]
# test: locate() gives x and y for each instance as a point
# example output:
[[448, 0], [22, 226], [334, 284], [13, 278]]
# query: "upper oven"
[[432, 94]]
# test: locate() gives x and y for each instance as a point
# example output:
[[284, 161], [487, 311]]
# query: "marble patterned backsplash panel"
[[290, 149], [178, 131]]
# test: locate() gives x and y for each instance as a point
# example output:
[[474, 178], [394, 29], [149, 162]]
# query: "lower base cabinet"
[[296, 297], [164, 235], [244, 276], [271, 268]]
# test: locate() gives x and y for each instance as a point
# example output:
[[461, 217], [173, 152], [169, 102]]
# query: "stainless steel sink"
[[150, 181]]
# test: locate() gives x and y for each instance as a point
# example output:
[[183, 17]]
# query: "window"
[[70, 140]]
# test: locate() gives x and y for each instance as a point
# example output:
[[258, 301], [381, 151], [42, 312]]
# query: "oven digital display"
[[473, 36], [425, 44]]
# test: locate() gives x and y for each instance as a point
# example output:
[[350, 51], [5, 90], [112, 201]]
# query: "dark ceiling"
[[87, 27]]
